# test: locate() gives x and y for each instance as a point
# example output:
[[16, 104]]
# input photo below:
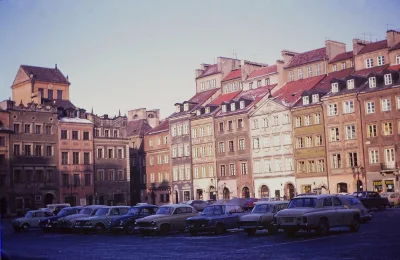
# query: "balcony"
[[388, 167]]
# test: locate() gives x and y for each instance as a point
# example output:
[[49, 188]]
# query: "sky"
[[127, 54]]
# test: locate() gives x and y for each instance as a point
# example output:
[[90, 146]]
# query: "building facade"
[[5, 132]]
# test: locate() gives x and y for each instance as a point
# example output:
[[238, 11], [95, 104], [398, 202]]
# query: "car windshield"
[[213, 210], [263, 208], [63, 212], [165, 211], [28, 214], [303, 202], [353, 201], [86, 211], [102, 212], [134, 211]]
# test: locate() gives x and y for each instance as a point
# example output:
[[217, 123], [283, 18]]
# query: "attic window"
[[350, 84], [315, 98], [178, 108], [207, 110], [335, 87], [223, 108], [306, 100], [372, 82], [242, 104], [233, 107], [150, 116], [198, 112], [186, 107], [388, 79]]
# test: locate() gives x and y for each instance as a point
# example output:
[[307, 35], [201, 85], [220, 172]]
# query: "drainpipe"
[[326, 148], [362, 146]]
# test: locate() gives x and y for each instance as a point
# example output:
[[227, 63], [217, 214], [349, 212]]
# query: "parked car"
[[262, 217], [199, 205], [393, 197], [249, 203], [99, 221], [127, 222], [167, 218], [31, 220], [269, 199], [51, 223], [355, 203], [55, 208], [371, 199], [215, 218], [68, 222], [319, 213]]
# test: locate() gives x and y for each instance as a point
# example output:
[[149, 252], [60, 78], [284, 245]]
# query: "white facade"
[[312, 184], [272, 151]]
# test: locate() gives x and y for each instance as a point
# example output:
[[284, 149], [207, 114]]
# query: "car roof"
[[113, 207], [322, 196], [95, 206], [145, 206], [177, 206], [273, 202]]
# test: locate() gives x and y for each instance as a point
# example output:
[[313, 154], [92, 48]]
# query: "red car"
[[249, 204]]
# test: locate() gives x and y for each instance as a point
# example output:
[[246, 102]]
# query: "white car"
[[31, 220]]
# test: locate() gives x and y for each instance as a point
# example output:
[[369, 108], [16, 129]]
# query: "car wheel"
[[130, 229], [99, 228], [251, 231], [219, 229], [164, 229], [193, 233], [355, 224], [322, 227], [26, 227], [290, 232]]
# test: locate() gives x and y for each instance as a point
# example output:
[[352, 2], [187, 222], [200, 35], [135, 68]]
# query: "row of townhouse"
[[319, 121]]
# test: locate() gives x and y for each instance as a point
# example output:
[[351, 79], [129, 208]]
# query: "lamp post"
[[216, 187], [356, 170]]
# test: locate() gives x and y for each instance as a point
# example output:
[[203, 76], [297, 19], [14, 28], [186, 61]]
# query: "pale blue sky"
[[131, 54]]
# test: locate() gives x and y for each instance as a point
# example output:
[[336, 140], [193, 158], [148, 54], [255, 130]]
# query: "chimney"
[[334, 48], [199, 72], [56, 66], [287, 56], [358, 45], [105, 116], [392, 37]]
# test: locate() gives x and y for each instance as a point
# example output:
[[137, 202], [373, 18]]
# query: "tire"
[[291, 232], [355, 224], [322, 227], [99, 228], [130, 229], [164, 229], [251, 231], [219, 229], [193, 233], [26, 227]]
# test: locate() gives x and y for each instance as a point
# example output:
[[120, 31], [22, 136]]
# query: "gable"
[[268, 107], [20, 77]]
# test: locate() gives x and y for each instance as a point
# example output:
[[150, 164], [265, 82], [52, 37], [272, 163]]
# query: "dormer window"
[[242, 104], [233, 107], [334, 68], [335, 87], [372, 82], [226, 89], [178, 108], [388, 79], [369, 63], [186, 107], [198, 112], [207, 110], [251, 85], [224, 108], [202, 85], [350, 84], [306, 100], [315, 98], [233, 87]]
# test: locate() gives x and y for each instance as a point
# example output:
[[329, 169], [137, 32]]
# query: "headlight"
[[121, 223], [153, 223], [134, 223], [48, 221], [88, 223]]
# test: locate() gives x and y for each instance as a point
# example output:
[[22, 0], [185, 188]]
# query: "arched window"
[[226, 193], [342, 187], [264, 191], [289, 191], [245, 193]]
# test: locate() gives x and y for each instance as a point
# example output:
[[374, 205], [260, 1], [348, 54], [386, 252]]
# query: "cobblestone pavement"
[[377, 239]]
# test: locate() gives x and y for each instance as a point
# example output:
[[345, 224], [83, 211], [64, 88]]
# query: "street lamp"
[[216, 187], [357, 170]]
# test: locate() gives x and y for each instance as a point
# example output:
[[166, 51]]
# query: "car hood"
[[295, 212], [153, 217], [124, 217], [255, 216], [54, 218], [90, 218], [206, 217], [75, 216]]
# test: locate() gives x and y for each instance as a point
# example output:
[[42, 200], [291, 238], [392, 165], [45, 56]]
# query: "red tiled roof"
[[138, 127], [373, 47], [201, 97], [291, 91], [212, 69], [52, 75], [395, 47], [234, 74], [394, 67], [365, 72], [263, 71], [162, 127], [342, 56], [325, 85], [307, 57], [224, 98]]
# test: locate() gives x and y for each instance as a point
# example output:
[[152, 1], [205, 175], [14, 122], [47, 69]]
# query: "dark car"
[[371, 199], [51, 223], [215, 218], [199, 205], [127, 223]]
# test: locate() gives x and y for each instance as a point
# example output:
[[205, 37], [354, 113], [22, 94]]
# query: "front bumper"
[[155, 228], [301, 226]]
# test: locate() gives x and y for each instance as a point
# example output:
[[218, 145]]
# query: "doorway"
[[48, 199]]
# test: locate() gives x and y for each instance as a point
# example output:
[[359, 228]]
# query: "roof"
[[224, 98], [52, 75], [76, 120], [394, 67], [291, 92], [366, 72], [162, 127], [264, 71], [59, 103], [325, 85], [395, 47], [375, 46], [342, 56], [307, 57], [234, 74], [210, 70], [138, 127]]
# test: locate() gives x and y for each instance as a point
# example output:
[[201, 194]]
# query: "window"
[[49, 150], [16, 128], [309, 71], [286, 119], [38, 150], [298, 121], [352, 160], [389, 155], [299, 142], [370, 107], [373, 157], [300, 73], [348, 107], [27, 129], [86, 158], [185, 129], [334, 67], [265, 141], [222, 170], [278, 164], [321, 165], [335, 87], [59, 94], [311, 166], [241, 104], [165, 139], [174, 152], [380, 60], [65, 179], [385, 103], [317, 118], [291, 75], [351, 63], [152, 178], [185, 107], [372, 82], [307, 120], [221, 147], [223, 108], [388, 79], [85, 135], [309, 141], [211, 171], [276, 140], [256, 143], [17, 150], [258, 83], [318, 140], [289, 164], [267, 165], [174, 131], [64, 158], [332, 110], [166, 158], [48, 129], [110, 153], [175, 174], [230, 125], [318, 69], [350, 132], [87, 179], [75, 157], [38, 129], [196, 172], [241, 144], [315, 98], [202, 85], [231, 146], [99, 152], [179, 128], [343, 65], [387, 128], [336, 161], [74, 135], [244, 168], [398, 59], [209, 130], [301, 166], [306, 100], [267, 81], [265, 122], [27, 150], [232, 169], [369, 63], [50, 94], [287, 139], [115, 134], [107, 133], [221, 126], [210, 150], [371, 131], [255, 124], [251, 85], [334, 134], [276, 120], [194, 132], [201, 131], [350, 84]]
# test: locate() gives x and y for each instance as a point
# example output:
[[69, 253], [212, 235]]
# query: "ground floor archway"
[[264, 191], [48, 198], [213, 195], [245, 192], [342, 187], [226, 193], [289, 191]]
